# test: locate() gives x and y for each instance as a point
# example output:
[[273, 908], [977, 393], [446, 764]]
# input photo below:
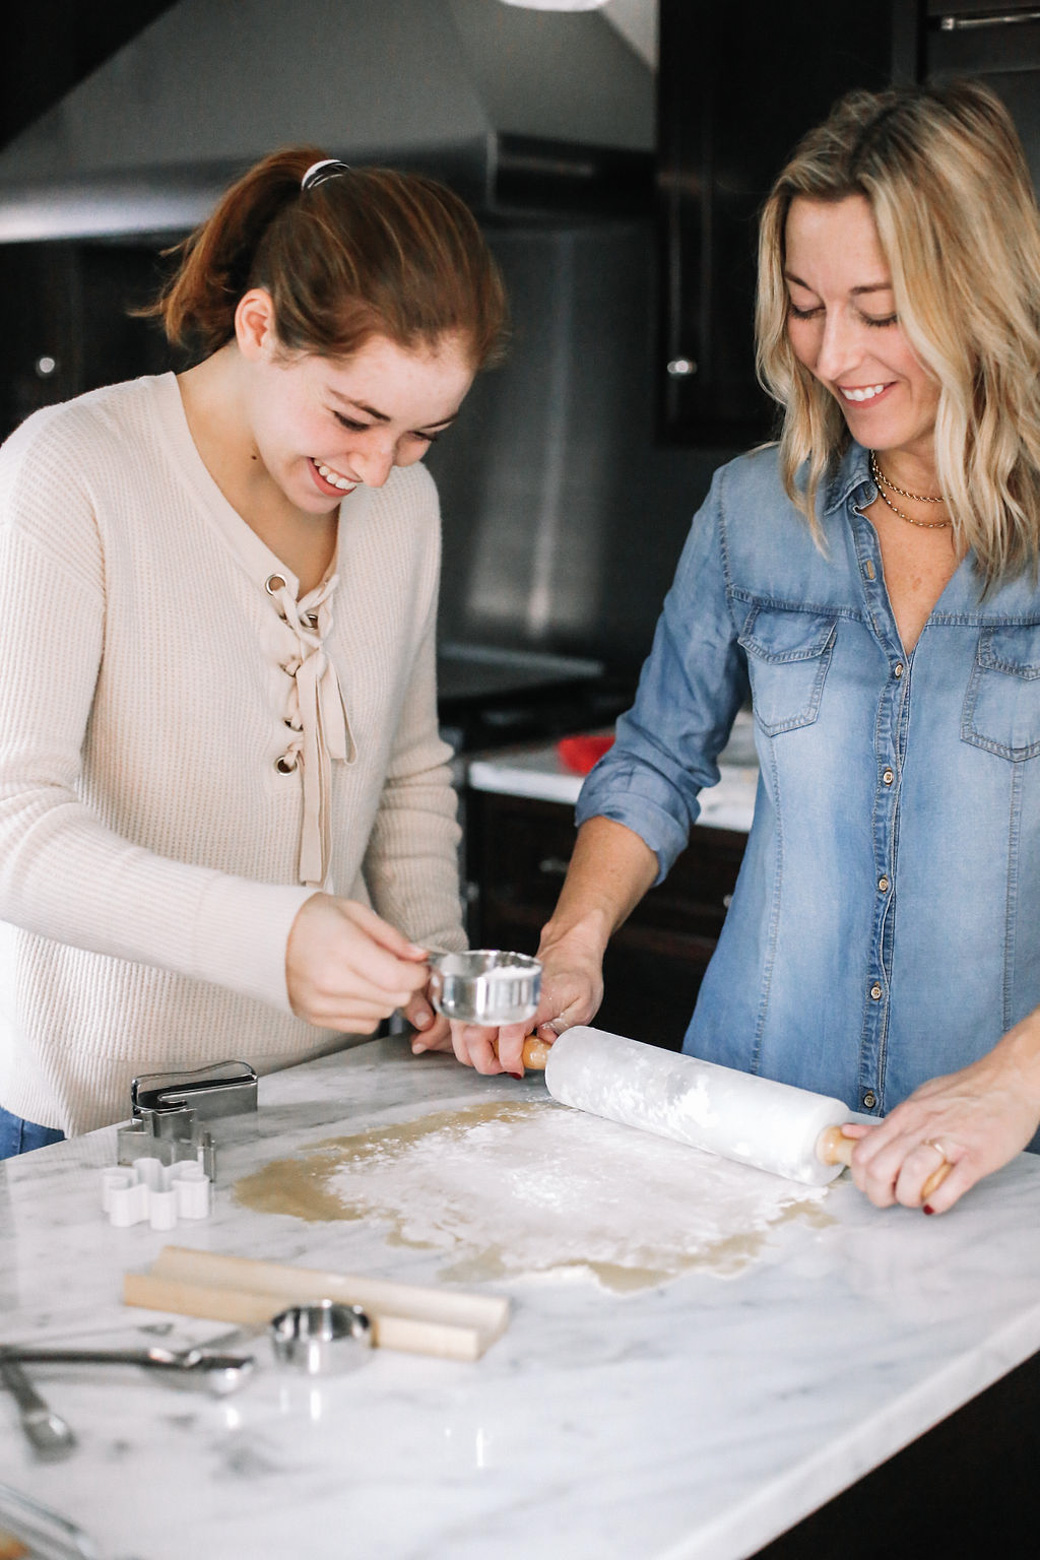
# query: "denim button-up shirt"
[[885, 926]]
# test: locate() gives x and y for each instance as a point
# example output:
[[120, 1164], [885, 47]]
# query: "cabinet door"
[[738, 86], [998, 43], [518, 850], [66, 321]]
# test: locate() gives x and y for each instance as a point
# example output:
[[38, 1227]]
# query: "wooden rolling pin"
[[773, 1126]]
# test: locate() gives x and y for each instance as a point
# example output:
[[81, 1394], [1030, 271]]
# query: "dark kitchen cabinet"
[[66, 321], [965, 1489], [738, 86], [998, 43], [517, 854]]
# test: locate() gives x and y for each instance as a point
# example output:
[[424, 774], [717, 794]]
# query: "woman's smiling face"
[[842, 325], [321, 426]]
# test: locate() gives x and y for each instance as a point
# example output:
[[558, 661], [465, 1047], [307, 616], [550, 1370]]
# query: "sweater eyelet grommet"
[[273, 584], [285, 765]]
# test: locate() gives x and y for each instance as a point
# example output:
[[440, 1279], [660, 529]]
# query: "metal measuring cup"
[[485, 986], [321, 1338]]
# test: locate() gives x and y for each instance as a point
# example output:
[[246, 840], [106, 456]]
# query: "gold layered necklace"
[[883, 482]]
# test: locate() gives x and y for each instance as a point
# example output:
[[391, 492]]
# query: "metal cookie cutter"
[[169, 1107]]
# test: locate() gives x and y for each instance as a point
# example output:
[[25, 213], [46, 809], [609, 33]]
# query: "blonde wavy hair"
[[947, 181]]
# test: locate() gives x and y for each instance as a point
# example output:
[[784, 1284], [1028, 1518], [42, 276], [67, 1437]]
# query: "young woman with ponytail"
[[226, 820]]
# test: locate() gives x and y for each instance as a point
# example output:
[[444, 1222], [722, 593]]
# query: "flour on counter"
[[511, 1189]]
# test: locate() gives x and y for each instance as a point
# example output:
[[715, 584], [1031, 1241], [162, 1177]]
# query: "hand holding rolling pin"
[[609, 872], [571, 991], [974, 1120]]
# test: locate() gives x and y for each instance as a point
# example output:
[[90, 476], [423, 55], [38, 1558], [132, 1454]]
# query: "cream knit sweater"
[[177, 762]]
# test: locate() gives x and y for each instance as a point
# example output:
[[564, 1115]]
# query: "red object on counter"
[[580, 753]]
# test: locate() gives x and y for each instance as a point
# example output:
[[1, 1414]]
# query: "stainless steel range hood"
[[519, 110]]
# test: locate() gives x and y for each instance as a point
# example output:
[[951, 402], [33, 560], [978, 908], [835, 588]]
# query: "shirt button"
[[887, 776], [883, 884], [869, 1100], [897, 670], [875, 992]]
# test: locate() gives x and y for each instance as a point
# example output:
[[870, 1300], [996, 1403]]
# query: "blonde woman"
[[871, 582]]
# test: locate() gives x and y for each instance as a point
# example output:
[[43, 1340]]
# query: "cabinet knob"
[[553, 866]]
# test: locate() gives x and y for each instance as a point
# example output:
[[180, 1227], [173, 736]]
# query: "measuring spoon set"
[[318, 1339]]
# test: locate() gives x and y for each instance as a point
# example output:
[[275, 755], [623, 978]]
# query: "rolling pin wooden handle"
[[536, 1053], [936, 1178], [833, 1148]]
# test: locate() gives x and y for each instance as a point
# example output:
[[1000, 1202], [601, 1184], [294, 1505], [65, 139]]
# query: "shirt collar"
[[852, 472]]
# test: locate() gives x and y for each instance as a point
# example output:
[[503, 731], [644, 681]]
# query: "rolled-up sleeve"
[[690, 689]]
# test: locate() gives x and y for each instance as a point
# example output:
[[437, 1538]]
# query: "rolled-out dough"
[[509, 1189]]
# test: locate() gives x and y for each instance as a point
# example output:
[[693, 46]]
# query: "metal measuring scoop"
[[485, 986], [210, 1372]]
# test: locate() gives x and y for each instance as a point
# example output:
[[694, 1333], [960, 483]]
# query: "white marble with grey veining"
[[693, 1421]]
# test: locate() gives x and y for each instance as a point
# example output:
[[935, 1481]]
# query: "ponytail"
[[359, 252]]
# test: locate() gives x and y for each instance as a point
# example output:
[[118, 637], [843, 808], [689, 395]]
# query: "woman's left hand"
[[976, 1120]]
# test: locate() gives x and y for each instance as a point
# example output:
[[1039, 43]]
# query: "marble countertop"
[[693, 1419], [536, 770]]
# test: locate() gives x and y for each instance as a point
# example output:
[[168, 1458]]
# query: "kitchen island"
[[698, 1416]]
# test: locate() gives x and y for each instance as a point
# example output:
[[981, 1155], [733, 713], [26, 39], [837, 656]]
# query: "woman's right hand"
[[611, 869], [346, 968], [572, 990]]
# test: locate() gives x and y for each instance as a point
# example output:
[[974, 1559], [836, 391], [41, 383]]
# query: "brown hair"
[[367, 252], [943, 171]]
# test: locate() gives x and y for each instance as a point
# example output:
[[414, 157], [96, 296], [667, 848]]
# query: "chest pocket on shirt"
[[1002, 707], [788, 657]]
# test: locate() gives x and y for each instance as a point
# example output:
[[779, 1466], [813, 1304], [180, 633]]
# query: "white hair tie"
[[317, 173]]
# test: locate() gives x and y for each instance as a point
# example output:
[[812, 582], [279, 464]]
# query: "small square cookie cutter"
[[169, 1109]]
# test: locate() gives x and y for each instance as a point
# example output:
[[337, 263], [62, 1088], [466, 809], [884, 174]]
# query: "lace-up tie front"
[[316, 716]]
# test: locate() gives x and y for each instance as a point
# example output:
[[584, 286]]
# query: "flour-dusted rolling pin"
[[736, 1115]]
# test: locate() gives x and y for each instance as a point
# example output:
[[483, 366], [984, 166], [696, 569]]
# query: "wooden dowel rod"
[[379, 1296], [253, 1308]]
